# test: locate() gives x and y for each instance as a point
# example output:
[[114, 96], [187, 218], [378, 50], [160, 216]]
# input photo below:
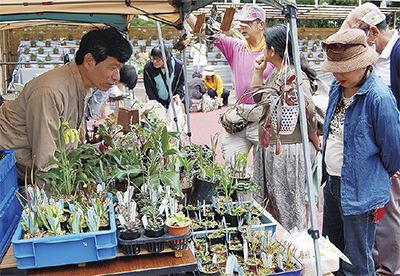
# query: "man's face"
[[251, 29], [105, 74]]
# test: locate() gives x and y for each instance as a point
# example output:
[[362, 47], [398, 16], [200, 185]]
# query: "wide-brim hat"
[[208, 71], [251, 12], [363, 17], [352, 58]]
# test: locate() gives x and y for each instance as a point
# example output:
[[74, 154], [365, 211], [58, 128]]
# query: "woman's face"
[[350, 79], [158, 62], [267, 53]]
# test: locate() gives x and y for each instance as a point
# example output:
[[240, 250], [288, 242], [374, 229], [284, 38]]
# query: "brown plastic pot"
[[178, 231]]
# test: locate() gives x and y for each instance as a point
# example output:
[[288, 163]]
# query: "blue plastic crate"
[[10, 210], [67, 249], [10, 213], [8, 174]]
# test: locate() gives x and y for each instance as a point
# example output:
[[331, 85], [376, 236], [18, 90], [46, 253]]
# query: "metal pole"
[[313, 231], [171, 97], [189, 133]]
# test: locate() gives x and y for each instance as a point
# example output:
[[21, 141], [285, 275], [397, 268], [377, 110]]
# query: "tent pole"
[[290, 13], [189, 133], [171, 97]]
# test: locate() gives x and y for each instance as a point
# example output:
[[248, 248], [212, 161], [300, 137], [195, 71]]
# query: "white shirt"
[[199, 57], [382, 65]]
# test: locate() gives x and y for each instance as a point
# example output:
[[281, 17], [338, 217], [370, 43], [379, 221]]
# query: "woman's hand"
[[260, 63], [317, 140], [176, 99]]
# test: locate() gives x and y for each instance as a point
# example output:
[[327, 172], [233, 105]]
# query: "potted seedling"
[[301, 36], [26, 36], [314, 48], [127, 215], [54, 36], [321, 54], [310, 55], [33, 43], [72, 50], [48, 57], [41, 50], [218, 248], [154, 36], [41, 36], [155, 223], [47, 43], [33, 56], [204, 257], [135, 43], [178, 224], [148, 42], [317, 60], [218, 55], [309, 36], [70, 36], [63, 42], [140, 36], [27, 65], [26, 50], [211, 269], [304, 48], [55, 51]]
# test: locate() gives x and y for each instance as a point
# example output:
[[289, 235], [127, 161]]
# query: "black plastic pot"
[[130, 235], [153, 234], [202, 191]]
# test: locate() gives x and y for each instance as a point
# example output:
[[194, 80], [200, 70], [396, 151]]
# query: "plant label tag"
[[229, 265], [279, 260], [144, 221], [228, 208], [269, 260], [214, 259], [166, 211], [168, 190], [171, 206], [191, 246], [204, 207], [264, 243], [248, 233], [197, 217], [161, 208], [185, 201], [121, 219], [264, 259], [213, 202], [245, 250], [206, 246]]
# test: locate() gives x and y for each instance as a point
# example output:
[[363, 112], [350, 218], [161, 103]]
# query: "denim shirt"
[[371, 145]]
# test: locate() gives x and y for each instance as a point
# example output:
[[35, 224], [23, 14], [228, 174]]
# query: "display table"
[[142, 264]]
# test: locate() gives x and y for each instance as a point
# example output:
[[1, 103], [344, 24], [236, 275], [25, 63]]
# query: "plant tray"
[[156, 245], [267, 223], [10, 208], [67, 249]]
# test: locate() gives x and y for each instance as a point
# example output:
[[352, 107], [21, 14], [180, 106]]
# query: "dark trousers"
[[224, 96], [354, 235]]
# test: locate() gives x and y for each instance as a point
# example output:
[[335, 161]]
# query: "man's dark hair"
[[102, 43], [128, 76], [196, 74]]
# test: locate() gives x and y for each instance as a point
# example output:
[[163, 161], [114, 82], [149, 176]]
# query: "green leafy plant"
[[178, 219]]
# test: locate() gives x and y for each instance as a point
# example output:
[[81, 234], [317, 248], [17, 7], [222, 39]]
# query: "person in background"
[[30, 123], [198, 52], [240, 56], [214, 85], [128, 80], [282, 176], [361, 149], [386, 43], [155, 80], [196, 86]]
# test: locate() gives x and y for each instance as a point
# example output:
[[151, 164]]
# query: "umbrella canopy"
[[117, 13]]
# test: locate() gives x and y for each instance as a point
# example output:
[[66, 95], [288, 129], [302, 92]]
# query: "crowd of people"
[[359, 137]]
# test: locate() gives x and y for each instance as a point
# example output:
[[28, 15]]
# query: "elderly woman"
[[361, 148], [155, 79], [282, 175]]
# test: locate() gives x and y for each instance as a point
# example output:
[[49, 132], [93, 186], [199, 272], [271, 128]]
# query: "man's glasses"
[[338, 47]]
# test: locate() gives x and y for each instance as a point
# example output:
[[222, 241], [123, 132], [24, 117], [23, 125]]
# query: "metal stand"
[[290, 12]]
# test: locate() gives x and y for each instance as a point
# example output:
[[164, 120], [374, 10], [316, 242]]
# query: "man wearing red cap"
[[386, 42]]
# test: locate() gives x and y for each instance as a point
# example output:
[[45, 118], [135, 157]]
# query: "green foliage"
[[178, 219]]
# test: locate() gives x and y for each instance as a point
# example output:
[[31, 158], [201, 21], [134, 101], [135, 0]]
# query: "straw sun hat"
[[208, 71], [351, 54]]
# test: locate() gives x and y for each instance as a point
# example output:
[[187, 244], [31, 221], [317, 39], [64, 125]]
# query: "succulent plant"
[[155, 220]]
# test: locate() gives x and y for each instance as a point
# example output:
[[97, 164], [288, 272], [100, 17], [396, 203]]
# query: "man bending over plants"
[[30, 123]]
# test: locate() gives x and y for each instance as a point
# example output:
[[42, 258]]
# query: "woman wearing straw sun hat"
[[361, 148]]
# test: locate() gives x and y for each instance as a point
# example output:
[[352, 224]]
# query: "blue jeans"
[[353, 235], [225, 95]]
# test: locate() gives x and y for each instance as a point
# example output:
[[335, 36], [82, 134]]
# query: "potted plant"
[[78, 42], [301, 36], [321, 54], [305, 43], [135, 43], [155, 223], [148, 42], [26, 36], [319, 36], [178, 224], [314, 48], [218, 55], [127, 215], [27, 65], [309, 36], [214, 62], [310, 55], [54, 35], [211, 270], [33, 56], [41, 36], [26, 50], [304, 49], [33, 43], [317, 60], [70, 36], [72, 50], [154, 36], [55, 51], [63, 42], [47, 43], [140, 35], [41, 50], [48, 57], [218, 248], [56, 65], [142, 48]]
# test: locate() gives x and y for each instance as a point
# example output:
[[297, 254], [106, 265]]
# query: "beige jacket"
[[30, 123], [275, 80]]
